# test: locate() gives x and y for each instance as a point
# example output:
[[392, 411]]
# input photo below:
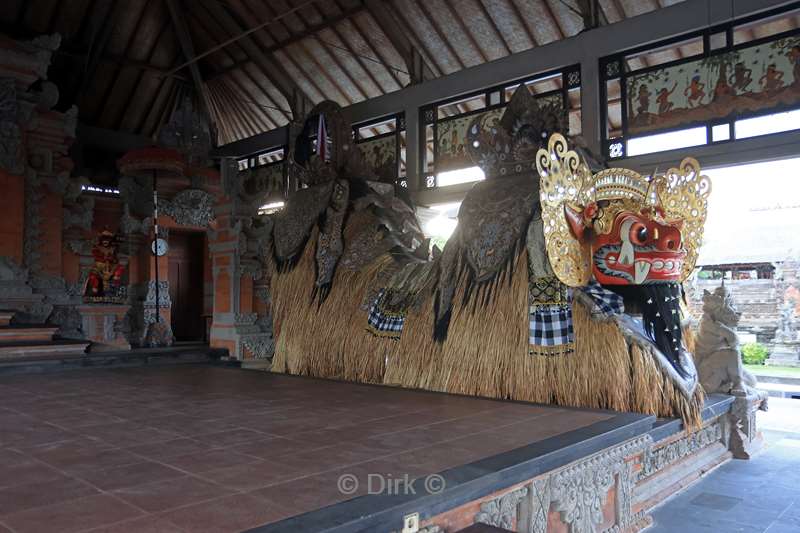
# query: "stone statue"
[[719, 363], [786, 329], [105, 276], [717, 349]]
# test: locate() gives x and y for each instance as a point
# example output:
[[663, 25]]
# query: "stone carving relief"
[[69, 321], [656, 459], [11, 148], [79, 214], [10, 271], [191, 207], [502, 512], [188, 132], [259, 346], [245, 319], [143, 309], [137, 193], [579, 492], [149, 303]]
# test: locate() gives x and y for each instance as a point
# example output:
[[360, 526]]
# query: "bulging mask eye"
[[639, 234]]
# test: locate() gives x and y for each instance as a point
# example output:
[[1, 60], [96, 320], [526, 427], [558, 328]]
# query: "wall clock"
[[159, 247]]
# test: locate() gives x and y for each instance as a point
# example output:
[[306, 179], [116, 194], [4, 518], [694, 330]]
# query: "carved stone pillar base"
[[101, 323], [745, 439], [159, 335]]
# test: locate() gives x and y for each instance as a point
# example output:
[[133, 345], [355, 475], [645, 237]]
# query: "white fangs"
[[626, 254], [641, 270]]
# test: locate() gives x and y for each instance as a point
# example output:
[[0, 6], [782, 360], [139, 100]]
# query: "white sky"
[[751, 206]]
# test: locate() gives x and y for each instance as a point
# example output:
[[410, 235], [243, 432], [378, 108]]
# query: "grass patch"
[[778, 371]]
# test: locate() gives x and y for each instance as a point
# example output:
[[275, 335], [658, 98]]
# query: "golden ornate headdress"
[[678, 197]]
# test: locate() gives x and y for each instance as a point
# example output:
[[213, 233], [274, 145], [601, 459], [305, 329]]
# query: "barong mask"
[[620, 226]]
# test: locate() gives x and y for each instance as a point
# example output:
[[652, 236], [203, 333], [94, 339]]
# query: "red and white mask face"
[[637, 250]]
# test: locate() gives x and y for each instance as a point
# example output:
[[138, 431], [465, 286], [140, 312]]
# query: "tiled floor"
[[756, 496], [194, 449]]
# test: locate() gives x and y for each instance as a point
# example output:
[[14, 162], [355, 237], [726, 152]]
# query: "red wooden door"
[[186, 285]]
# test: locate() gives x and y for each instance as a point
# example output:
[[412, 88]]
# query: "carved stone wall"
[[34, 141], [655, 459], [578, 493]]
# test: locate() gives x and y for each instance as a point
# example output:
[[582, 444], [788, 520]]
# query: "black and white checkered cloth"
[[381, 323], [606, 302], [551, 325]]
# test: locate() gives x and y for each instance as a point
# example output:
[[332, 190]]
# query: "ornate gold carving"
[[683, 194], [564, 179], [679, 195]]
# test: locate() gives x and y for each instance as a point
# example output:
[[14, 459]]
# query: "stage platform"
[[194, 448]]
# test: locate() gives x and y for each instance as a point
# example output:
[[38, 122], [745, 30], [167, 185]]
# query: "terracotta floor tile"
[[209, 460], [170, 494], [230, 437], [229, 514], [127, 433], [252, 476], [20, 497], [168, 448], [72, 515], [130, 475], [283, 442], [19, 469], [78, 457], [305, 494]]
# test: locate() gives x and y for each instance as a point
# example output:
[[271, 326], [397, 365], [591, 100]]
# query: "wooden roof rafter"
[[187, 46], [267, 64], [102, 109], [493, 25], [310, 31], [211, 27], [141, 74], [381, 11], [392, 70], [327, 46]]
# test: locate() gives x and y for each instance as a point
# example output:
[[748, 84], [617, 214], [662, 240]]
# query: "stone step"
[[18, 350], [20, 333], [5, 316]]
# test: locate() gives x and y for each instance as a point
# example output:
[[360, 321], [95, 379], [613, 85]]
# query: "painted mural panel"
[[380, 156], [746, 80], [452, 151]]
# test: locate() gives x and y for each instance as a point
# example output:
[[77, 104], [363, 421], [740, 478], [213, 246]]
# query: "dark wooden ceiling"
[[119, 59]]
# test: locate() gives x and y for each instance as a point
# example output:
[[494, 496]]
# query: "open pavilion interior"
[[397, 265]]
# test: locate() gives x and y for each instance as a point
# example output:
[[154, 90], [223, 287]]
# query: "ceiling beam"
[[418, 68], [185, 40]]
